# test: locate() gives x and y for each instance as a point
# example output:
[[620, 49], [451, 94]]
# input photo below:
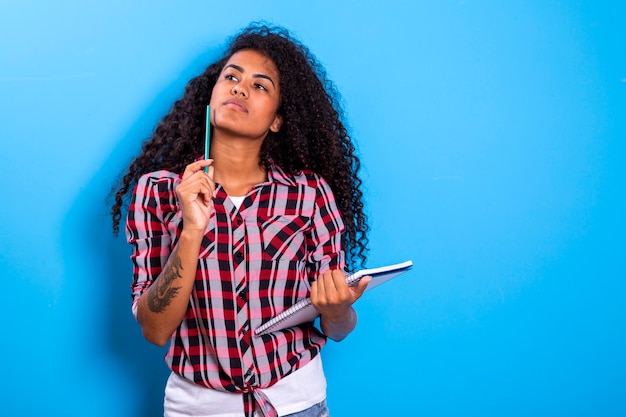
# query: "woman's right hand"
[[195, 194]]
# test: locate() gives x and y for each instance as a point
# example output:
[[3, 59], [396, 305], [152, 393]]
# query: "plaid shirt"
[[253, 263]]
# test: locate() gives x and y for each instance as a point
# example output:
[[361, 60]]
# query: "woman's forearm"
[[162, 307]]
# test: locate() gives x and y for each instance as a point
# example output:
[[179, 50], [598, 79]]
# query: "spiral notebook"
[[303, 311]]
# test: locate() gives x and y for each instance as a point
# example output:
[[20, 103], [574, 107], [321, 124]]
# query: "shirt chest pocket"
[[284, 236]]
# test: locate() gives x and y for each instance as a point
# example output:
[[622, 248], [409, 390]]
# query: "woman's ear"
[[277, 123]]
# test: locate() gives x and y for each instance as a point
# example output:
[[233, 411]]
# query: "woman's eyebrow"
[[240, 69]]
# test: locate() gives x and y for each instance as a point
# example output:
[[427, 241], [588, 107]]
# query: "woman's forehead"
[[252, 60]]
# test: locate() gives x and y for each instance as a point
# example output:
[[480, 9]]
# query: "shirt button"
[[238, 256], [237, 222]]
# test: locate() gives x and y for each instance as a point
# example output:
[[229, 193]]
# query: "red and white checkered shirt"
[[254, 262]]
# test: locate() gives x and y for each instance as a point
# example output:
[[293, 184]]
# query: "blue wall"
[[492, 139]]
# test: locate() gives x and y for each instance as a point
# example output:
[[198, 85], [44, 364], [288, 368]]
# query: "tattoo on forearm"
[[161, 294]]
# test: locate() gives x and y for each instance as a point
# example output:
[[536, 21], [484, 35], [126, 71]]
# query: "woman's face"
[[246, 96]]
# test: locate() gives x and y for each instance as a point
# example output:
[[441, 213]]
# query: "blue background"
[[492, 140]]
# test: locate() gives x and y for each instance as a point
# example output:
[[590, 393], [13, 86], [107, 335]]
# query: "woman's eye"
[[230, 77], [260, 87]]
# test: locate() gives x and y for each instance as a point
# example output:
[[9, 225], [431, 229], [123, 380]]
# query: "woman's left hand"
[[333, 298]]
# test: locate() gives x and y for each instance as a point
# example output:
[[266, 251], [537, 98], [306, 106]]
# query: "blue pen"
[[207, 136]]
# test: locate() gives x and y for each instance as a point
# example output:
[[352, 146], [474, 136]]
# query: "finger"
[[196, 166], [197, 182], [321, 287], [208, 187], [360, 288], [314, 290], [339, 284], [335, 288], [210, 174]]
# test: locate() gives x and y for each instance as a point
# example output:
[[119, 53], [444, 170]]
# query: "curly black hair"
[[312, 135]]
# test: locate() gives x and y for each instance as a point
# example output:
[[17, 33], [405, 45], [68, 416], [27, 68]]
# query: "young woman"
[[222, 245]]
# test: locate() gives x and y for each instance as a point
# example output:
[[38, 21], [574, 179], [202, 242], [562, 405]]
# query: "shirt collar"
[[277, 175]]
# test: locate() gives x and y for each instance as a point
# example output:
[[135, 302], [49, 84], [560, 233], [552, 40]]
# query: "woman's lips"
[[236, 104]]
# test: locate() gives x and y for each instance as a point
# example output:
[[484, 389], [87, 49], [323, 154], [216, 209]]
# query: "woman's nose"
[[237, 90]]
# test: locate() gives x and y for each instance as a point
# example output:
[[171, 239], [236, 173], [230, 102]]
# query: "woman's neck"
[[237, 165]]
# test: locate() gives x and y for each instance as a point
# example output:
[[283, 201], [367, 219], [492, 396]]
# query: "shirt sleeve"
[[324, 241], [147, 233]]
